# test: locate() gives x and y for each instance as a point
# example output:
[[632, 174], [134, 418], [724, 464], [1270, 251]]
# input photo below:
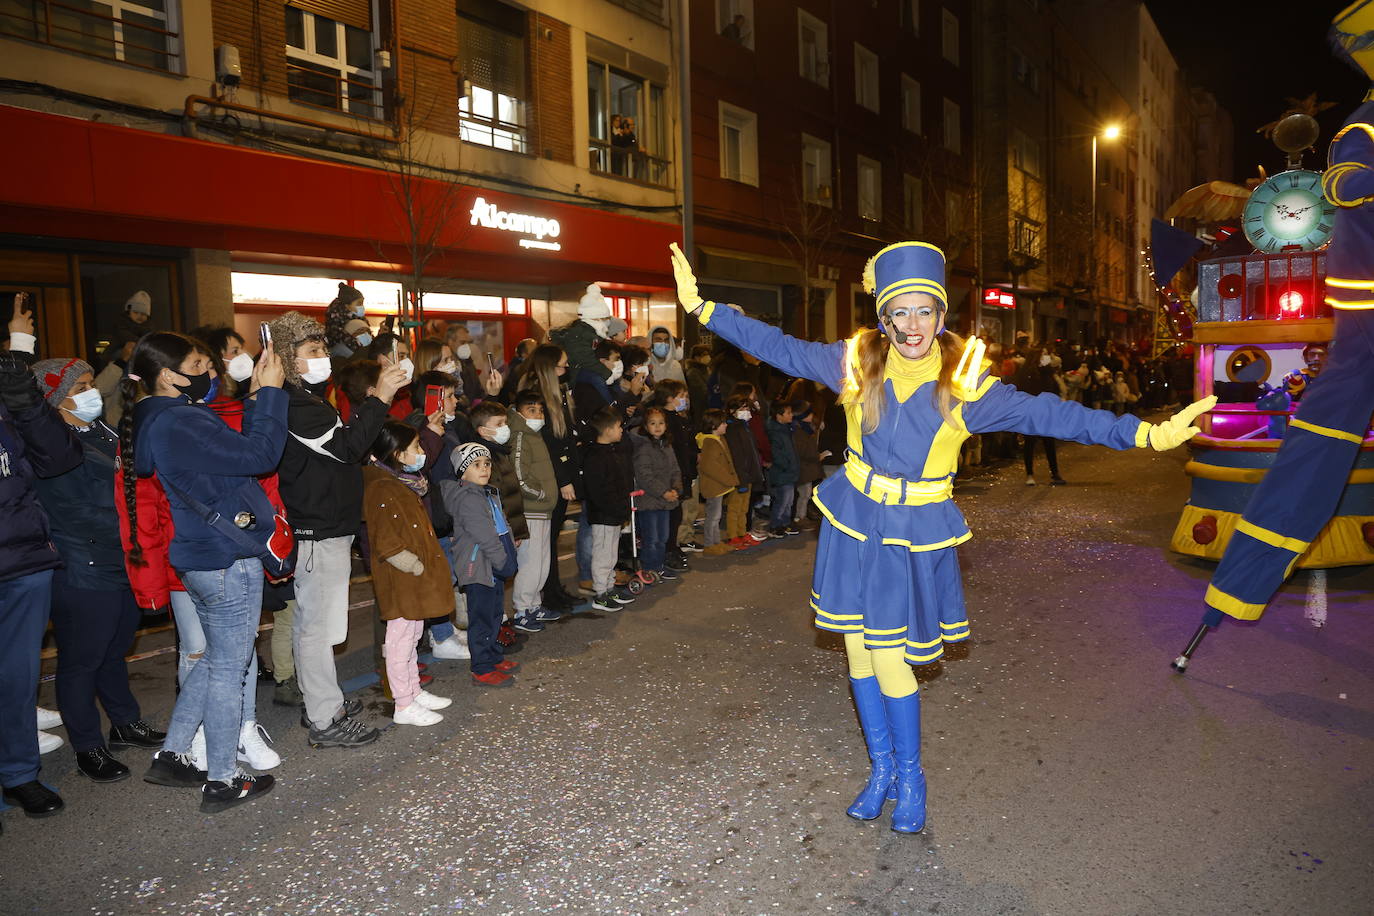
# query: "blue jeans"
[[653, 537], [486, 607], [191, 649], [584, 546], [23, 618], [780, 512], [228, 604]]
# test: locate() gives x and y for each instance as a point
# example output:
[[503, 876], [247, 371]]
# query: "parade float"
[[1261, 334]]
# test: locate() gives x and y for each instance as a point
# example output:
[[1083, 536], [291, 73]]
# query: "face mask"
[[359, 310], [316, 370], [408, 367], [661, 350], [363, 339], [196, 388], [682, 404], [240, 368], [535, 425], [743, 415], [500, 435], [464, 351], [1044, 359], [419, 463], [89, 405], [616, 370], [642, 370], [447, 366]]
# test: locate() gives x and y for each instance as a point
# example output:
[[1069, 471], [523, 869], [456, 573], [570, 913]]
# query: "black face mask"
[[197, 388]]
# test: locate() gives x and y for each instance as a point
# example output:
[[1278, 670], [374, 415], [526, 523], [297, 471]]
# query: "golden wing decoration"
[[1213, 202]]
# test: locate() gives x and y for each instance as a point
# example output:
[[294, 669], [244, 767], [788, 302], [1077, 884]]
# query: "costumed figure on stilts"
[[1301, 491], [886, 575]]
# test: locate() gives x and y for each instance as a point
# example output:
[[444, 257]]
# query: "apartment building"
[[236, 158]]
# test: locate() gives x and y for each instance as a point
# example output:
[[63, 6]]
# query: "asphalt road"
[[695, 753]]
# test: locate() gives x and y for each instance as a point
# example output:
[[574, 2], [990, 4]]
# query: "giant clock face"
[[1289, 210]]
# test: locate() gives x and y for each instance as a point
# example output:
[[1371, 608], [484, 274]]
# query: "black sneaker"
[[97, 764], [216, 796], [287, 693], [690, 547], [136, 734], [622, 597], [345, 731], [175, 771], [606, 602], [350, 708], [1057, 481], [791, 530], [776, 533], [668, 575], [676, 561]]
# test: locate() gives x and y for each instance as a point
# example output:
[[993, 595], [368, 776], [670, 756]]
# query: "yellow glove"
[[1176, 430], [686, 280], [969, 368]]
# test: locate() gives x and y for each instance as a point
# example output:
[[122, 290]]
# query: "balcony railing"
[[321, 87], [139, 44], [628, 162]]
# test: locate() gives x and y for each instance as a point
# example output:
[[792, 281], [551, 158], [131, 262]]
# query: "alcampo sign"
[[489, 216]]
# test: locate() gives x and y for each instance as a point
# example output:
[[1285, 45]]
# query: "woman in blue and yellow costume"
[[886, 575]]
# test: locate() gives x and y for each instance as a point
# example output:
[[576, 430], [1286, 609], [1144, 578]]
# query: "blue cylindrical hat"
[[906, 267]]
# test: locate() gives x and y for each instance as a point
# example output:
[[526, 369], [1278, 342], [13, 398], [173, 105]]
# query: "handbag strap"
[[217, 521]]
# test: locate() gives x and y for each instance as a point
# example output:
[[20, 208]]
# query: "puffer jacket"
[[477, 549], [508, 485], [785, 465], [717, 471], [533, 468], [656, 472], [578, 340], [81, 508]]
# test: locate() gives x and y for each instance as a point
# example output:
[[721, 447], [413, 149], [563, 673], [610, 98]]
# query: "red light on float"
[[1291, 302], [1205, 531], [1367, 529]]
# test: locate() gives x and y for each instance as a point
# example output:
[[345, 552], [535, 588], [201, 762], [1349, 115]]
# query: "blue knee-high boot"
[[873, 718], [904, 719]]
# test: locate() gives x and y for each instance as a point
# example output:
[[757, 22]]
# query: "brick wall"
[[428, 41], [258, 29], [551, 101]]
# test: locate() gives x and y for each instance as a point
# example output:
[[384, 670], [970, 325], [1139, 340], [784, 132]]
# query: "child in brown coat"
[[717, 475], [410, 573]]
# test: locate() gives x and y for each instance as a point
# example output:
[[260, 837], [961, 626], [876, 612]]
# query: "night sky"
[[1253, 55]]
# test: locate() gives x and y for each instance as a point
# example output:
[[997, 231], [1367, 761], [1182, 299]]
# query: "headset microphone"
[[900, 335]]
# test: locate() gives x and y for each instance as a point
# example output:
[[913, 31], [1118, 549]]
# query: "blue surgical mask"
[[363, 339], [359, 311], [412, 468], [89, 405], [661, 349]]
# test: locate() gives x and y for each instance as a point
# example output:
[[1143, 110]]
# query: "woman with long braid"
[[886, 575]]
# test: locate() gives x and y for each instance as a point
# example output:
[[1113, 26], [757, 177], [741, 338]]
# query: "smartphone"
[[434, 399], [394, 360], [265, 335], [491, 362]]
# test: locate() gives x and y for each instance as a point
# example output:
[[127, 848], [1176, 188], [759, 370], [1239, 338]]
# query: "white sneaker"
[[48, 743], [431, 701], [48, 718], [416, 714], [1030, 481], [253, 749], [456, 647], [199, 758]]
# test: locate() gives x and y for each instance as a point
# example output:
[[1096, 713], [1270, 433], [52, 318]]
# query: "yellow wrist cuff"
[[1142, 434], [705, 311]]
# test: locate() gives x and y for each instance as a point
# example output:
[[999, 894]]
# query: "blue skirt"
[[896, 597]]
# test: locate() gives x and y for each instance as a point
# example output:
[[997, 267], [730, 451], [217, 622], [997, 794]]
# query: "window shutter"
[[357, 13], [491, 58]]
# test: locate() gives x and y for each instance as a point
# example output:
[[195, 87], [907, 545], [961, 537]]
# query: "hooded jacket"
[[743, 452], [670, 367], [786, 465], [397, 521], [717, 471], [578, 340], [479, 556], [533, 468], [656, 472], [608, 479]]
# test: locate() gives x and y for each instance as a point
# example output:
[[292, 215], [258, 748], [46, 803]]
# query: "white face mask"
[[616, 370], [448, 366], [642, 369], [465, 351], [316, 370], [240, 368], [536, 424], [601, 325], [408, 367], [89, 405], [744, 415], [500, 435]]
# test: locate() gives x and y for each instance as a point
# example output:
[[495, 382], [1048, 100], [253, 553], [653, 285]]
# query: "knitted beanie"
[[56, 377], [593, 305], [467, 453], [140, 302]]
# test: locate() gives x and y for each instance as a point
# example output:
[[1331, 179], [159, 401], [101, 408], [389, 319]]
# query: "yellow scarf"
[[907, 375]]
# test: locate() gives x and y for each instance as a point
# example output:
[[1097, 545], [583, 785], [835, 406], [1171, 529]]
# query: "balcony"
[[629, 163]]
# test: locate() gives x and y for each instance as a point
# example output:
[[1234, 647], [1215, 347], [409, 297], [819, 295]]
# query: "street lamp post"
[[1110, 132]]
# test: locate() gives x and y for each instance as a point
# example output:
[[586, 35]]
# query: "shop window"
[[138, 32], [870, 175], [107, 283], [909, 15], [816, 174], [949, 37], [813, 48], [330, 64], [629, 136], [865, 78], [735, 21], [953, 127], [492, 107], [739, 145], [913, 204], [911, 104]]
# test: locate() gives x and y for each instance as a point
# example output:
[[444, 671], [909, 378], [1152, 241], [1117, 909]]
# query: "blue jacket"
[[35, 443], [190, 447], [786, 467], [85, 526]]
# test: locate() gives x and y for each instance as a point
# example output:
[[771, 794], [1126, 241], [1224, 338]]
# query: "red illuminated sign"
[[999, 298]]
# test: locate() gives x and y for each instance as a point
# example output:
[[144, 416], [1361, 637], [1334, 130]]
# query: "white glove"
[[407, 562]]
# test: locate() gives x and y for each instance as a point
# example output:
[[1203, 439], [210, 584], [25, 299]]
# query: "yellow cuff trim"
[[1327, 431], [830, 517], [707, 310], [1227, 604], [1272, 538], [1142, 434], [983, 388]]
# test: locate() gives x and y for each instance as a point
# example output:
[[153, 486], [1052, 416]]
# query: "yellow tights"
[[895, 678]]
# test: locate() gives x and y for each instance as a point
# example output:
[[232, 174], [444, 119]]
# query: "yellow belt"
[[896, 491]]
